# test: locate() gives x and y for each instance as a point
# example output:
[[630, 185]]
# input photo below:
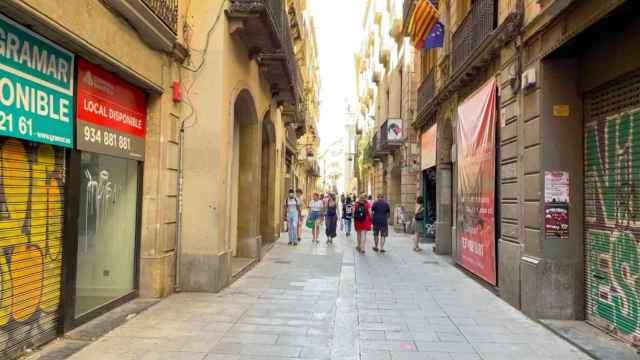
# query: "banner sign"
[[36, 87], [394, 130], [428, 147], [556, 204], [476, 183], [111, 113]]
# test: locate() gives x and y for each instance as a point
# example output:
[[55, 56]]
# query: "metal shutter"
[[31, 218], [612, 206]]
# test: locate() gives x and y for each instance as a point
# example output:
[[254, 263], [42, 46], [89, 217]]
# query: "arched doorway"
[[267, 181], [245, 174]]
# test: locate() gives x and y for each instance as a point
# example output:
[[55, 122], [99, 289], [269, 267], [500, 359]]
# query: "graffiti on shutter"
[[31, 218], [612, 201]]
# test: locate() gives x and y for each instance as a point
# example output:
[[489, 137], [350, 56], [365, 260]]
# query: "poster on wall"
[[36, 87], [476, 183], [556, 204], [111, 114], [394, 130], [428, 148]]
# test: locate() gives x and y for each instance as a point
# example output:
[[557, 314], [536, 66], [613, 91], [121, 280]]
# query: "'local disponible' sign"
[[111, 113], [36, 87]]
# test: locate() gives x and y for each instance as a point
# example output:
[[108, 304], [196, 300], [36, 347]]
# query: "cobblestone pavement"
[[328, 302]]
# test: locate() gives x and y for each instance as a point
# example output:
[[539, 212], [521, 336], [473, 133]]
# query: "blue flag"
[[436, 37]]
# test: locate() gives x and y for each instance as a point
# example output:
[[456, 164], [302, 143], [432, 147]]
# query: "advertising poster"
[[476, 183], [394, 130], [111, 114], [428, 148], [36, 87], [556, 204]]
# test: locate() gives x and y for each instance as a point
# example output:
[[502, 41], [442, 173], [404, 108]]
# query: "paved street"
[[319, 302]]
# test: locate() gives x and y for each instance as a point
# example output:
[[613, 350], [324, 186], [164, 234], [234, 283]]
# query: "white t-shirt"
[[316, 205]]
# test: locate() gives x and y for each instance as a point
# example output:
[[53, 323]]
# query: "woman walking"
[[362, 222], [331, 218], [292, 209], [420, 226], [316, 209]]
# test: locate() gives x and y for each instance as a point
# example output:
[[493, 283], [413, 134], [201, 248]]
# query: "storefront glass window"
[[107, 230]]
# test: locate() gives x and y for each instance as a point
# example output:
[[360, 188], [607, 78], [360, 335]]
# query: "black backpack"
[[360, 212]]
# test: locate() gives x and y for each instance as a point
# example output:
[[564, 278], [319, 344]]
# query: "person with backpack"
[[381, 211], [362, 222], [347, 215], [292, 209]]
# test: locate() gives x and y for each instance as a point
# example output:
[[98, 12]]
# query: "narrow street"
[[319, 302]]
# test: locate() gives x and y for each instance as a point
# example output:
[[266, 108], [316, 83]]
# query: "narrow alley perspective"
[[319, 179]]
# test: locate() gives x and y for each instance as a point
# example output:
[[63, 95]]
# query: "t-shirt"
[[316, 205], [292, 205], [381, 211], [347, 211]]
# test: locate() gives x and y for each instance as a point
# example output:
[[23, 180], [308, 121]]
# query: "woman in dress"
[[420, 225], [362, 221], [331, 218], [316, 209]]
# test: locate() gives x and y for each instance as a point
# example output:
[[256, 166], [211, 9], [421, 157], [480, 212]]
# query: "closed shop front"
[[36, 125], [428, 178], [106, 173], [612, 204]]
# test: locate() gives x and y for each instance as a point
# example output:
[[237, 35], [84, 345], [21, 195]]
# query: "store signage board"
[[428, 147], [111, 114], [36, 87], [476, 182], [394, 130]]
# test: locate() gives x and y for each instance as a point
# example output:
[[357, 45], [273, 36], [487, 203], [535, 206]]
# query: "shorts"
[[382, 229]]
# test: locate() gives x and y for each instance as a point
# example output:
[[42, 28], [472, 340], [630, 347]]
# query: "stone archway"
[[245, 174], [268, 200]]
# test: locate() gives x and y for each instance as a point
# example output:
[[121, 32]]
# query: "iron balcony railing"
[[166, 11], [474, 29], [427, 90]]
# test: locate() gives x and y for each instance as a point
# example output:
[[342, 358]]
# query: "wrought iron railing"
[[474, 29], [427, 89], [165, 10]]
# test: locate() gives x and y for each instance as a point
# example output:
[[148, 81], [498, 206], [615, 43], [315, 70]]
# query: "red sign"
[[111, 113], [476, 183]]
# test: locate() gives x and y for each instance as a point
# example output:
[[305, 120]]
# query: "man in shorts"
[[380, 214]]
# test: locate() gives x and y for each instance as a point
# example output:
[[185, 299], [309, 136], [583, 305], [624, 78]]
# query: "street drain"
[[284, 262]]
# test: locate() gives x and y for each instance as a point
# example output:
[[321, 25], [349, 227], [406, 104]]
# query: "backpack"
[[360, 212]]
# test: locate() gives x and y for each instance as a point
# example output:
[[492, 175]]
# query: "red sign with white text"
[[476, 183], [111, 113]]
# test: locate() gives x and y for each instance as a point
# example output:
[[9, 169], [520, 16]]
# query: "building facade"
[[133, 135], [535, 206], [387, 149]]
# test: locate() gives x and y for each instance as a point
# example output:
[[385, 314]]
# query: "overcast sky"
[[339, 32]]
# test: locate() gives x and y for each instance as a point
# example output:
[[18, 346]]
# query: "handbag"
[[310, 223]]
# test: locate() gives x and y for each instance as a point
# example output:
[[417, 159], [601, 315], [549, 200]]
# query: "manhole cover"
[[431, 262], [282, 262]]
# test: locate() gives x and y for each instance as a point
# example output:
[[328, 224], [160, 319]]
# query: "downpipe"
[[179, 209]]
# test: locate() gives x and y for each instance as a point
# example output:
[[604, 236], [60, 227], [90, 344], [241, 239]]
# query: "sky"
[[338, 33]]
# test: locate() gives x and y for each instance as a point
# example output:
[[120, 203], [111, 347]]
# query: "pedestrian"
[[301, 218], [292, 209], [331, 218], [316, 209], [362, 222], [347, 215], [380, 214], [420, 227]]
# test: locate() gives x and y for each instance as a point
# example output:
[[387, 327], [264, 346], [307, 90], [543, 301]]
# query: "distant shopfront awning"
[[422, 20]]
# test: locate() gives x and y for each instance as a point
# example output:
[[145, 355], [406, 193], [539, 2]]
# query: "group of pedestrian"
[[365, 215]]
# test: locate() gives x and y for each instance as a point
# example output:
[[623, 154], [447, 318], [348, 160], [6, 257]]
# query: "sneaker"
[[375, 249], [383, 250]]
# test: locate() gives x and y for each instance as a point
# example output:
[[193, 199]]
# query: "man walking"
[[381, 213], [347, 215]]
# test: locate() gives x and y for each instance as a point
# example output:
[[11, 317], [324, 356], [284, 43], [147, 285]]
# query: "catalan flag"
[[423, 18]]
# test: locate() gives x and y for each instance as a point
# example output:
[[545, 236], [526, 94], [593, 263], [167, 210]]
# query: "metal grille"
[[427, 90], [612, 207], [166, 10], [474, 29], [31, 220]]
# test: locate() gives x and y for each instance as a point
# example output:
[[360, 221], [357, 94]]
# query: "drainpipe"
[[179, 209]]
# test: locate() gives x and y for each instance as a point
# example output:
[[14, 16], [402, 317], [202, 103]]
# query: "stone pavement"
[[328, 302]]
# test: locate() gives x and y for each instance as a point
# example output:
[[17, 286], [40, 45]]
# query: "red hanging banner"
[[476, 182]]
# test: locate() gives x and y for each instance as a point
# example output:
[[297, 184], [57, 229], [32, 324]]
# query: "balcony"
[[263, 27], [426, 91], [473, 31], [407, 10], [155, 20], [379, 148]]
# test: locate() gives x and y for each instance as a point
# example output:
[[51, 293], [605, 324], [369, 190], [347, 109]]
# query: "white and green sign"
[[36, 87]]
